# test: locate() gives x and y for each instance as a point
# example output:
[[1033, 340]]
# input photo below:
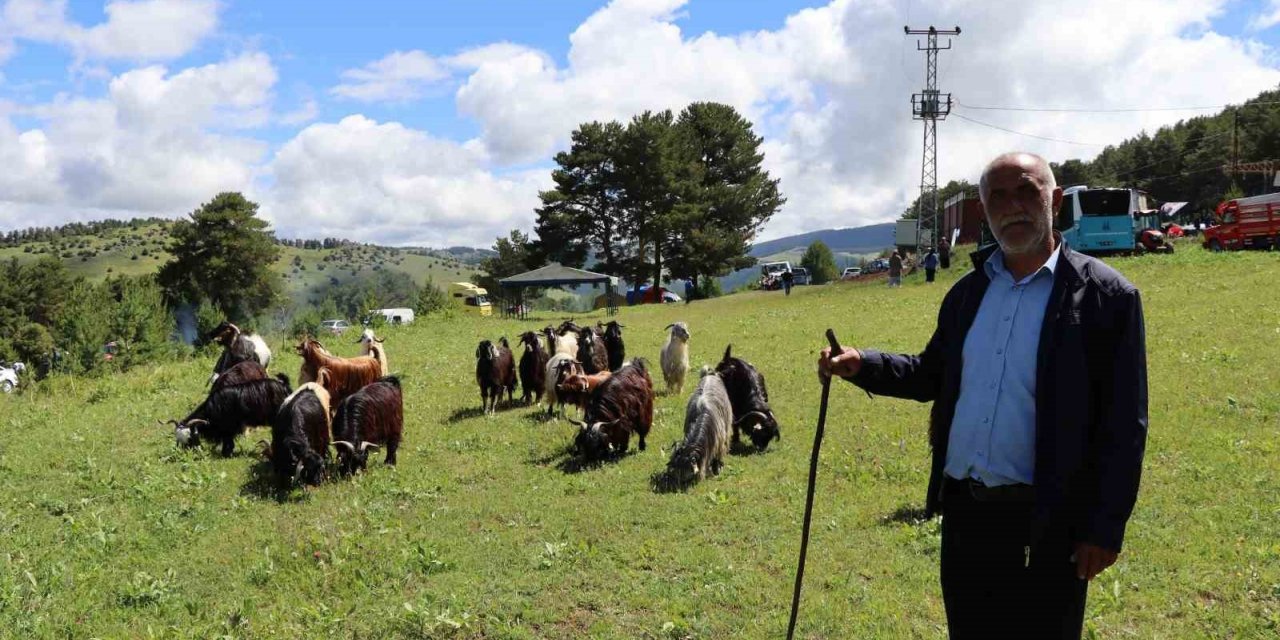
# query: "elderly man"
[[1037, 370]]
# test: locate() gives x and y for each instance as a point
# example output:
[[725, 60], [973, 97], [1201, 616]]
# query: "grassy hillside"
[[487, 530], [139, 251]]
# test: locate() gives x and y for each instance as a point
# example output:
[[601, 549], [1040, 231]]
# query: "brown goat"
[[345, 375], [619, 407], [577, 387], [239, 374]]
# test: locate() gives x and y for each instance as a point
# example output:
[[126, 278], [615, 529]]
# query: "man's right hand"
[[844, 365]]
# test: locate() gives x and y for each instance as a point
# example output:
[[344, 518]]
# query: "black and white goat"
[[559, 368], [619, 407], [300, 435], [612, 331], [228, 411], [708, 420], [372, 417], [750, 399], [237, 347], [495, 373]]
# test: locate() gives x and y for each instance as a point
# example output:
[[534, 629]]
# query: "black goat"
[[228, 411], [241, 373], [592, 352], [620, 406], [367, 419], [613, 344], [300, 435], [533, 368], [495, 372], [750, 399]]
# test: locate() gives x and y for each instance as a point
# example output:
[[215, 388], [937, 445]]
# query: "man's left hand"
[[1092, 560]]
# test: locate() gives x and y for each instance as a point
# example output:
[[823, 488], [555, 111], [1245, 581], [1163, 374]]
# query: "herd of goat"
[[586, 368], [353, 405], [349, 404]]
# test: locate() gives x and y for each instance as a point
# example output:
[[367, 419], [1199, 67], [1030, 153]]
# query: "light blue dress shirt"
[[993, 433]]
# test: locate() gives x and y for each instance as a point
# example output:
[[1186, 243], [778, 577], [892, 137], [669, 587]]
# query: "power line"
[[1122, 110], [1029, 135], [1178, 155]]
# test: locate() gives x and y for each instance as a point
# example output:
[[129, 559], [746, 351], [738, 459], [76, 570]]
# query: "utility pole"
[[930, 106]]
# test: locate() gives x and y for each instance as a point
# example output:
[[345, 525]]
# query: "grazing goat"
[[595, 358], [346, 375], [613, 344], [620, 406], [237, 347], [495, 372], [300, 435], [533, 368], [368, 419], [371, 345], [750, 399], [576, 388], [675, 357], [707, 421], [239, 374], [228, 411], [559, 368]]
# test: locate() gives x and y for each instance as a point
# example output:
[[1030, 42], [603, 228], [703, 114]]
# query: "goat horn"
[[343, 443], [164, 422], [192, 423], [378, 340], [580, 424], [369, 445], [744, 418], [669, 326], [297, 471]]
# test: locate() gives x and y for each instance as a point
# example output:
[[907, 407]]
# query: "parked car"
[[336, 327], [9, 376], [799, 276], [877, 265], [850, 273]]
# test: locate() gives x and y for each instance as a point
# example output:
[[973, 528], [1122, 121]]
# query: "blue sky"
[[435, 122]]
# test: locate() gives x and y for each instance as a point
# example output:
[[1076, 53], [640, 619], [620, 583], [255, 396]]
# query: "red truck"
[[1245, 223]]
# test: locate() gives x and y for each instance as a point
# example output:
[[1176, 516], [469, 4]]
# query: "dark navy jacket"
[[1091, 395]]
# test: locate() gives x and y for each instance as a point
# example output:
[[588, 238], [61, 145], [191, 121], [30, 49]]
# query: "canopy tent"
[[554, 275]]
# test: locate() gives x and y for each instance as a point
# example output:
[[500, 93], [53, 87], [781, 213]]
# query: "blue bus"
[[1105, 220]]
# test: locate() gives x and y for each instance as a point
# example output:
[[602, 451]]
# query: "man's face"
[[1019, 204]]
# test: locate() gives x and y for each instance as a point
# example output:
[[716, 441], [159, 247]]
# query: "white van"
[[396, 316]]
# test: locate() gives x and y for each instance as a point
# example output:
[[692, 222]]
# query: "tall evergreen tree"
[[224, 255], [581, 215], [724, 195]]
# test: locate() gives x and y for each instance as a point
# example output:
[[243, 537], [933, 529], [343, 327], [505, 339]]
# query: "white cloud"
[[1267, 19], [151, 146], [305, 113], [134, 29], [400, 76], [384, 182]]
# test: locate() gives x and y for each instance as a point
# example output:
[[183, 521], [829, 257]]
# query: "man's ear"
[[1056, 203]]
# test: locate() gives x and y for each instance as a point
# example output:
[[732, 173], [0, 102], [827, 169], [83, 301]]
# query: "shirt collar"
[[994, 266]]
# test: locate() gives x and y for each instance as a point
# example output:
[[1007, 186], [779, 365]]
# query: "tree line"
[[73, 229]]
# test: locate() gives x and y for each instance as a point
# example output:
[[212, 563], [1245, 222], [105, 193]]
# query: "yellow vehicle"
[[474, 299]]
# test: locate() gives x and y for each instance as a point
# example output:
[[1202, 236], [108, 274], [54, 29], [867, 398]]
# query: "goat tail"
[[728, 352], [393, 380], [285, 379], [641, 364]]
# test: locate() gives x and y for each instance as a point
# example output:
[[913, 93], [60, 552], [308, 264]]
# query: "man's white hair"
[[1041, 165]]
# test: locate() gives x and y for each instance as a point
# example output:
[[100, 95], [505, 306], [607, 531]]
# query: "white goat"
[[371, 345], [557, 361], [675, 357]]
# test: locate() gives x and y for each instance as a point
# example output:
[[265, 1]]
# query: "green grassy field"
[[485, 531], [128, 251]]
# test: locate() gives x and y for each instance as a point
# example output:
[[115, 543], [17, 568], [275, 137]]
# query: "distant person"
[[944, 253], [930, 265], [895, 270], [1039, 418], [788, 279], [688, 290]]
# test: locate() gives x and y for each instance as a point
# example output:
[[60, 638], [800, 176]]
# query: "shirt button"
[[1006, 318], [986, 420], [999, 351]]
